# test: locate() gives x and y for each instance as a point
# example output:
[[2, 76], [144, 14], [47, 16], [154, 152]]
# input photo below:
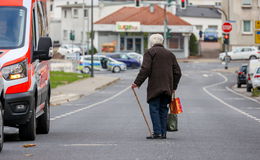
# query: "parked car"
[[68, 49], [136, 56], [241, 75], [123, 57], [210, 35], [25, 68], [100, 62], [252, 66], [241, 53], [256, 79], [1, 116]]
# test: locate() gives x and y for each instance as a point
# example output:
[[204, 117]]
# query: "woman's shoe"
[[154, 136]]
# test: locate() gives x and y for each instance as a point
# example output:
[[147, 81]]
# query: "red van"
[[25, 49]]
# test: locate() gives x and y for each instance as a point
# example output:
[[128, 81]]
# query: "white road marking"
[[90, 106], [252, 99], [205, 75], [89, 145], [226, 104]]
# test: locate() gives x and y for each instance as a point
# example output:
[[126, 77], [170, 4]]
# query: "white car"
[[251, 68], [68, 49], [241, 53], [256, 78], [136, 56]]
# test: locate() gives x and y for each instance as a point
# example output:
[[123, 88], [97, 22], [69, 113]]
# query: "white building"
[[201, 18], [205, 2]]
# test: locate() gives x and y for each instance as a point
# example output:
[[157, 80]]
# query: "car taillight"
[[240, 73], [257, 76], [249, 77]]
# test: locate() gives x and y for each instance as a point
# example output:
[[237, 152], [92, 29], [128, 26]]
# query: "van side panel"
[[11, 2]]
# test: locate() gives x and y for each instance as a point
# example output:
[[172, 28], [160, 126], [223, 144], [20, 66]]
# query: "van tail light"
[[257, 76], [258, 52], [249, 78], [240, 73]]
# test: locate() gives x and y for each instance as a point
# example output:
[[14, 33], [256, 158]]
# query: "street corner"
[[229, 70]]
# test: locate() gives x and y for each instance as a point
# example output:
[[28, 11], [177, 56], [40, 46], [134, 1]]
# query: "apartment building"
[[245, 18]]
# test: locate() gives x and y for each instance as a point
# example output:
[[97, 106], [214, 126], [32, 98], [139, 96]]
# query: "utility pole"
[[84, 29], [165, 26], [92, 37]]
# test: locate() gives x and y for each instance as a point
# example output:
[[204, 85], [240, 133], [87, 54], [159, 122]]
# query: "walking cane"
[[137, 99]]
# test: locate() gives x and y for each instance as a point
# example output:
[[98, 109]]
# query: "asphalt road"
[[107, 125]]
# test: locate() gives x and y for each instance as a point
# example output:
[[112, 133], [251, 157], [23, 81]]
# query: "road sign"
[[257, 37], [257, 24], [226, 27]]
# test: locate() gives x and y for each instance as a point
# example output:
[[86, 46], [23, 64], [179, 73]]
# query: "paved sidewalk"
[[74, 91], [243, 91]]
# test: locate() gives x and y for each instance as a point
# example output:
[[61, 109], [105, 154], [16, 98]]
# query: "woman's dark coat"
[[163, 72]]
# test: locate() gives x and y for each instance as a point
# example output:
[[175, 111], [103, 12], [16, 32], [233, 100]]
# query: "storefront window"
[[176, 42], [129, 44], [122, 44]]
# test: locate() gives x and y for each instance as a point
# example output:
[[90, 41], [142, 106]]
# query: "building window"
[[65, 13], [215, 27], [199, 27], [247, 26], [65, 34], [246, 2], [85, 13], [75, 13], [218, 4]]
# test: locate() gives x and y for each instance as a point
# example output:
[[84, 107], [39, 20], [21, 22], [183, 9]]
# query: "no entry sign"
[[226, 27]]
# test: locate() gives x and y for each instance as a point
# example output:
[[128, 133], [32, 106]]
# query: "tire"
[[252, 57], [27, 132], [43, 122], [248, 88], [86, 70], [1, 128], [116, 69], [238, 85]]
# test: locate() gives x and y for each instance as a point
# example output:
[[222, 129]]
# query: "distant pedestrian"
[[163, 72]]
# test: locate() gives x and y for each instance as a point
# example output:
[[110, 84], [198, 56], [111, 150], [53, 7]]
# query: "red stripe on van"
[[11, 2]]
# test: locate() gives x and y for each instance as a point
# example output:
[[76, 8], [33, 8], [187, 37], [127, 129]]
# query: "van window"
[[12, 27]]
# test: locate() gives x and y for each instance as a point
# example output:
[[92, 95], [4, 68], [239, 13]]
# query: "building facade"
[[245, 18], [130, 27]]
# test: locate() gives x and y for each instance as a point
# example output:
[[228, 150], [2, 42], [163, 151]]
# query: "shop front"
[[130, 32]]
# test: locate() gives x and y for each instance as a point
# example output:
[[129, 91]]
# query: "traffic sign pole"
[[226, 27]]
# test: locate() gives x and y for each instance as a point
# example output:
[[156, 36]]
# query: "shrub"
[[193, 44]]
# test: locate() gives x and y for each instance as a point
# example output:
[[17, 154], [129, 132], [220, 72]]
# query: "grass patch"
[[255, 92], [61, 78]]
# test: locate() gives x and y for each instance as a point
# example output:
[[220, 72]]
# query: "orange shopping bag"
[[175, 106]]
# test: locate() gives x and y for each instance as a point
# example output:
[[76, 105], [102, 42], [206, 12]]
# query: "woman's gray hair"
[[155, 39]]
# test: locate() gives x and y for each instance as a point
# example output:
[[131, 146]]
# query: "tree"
[[193, 45]]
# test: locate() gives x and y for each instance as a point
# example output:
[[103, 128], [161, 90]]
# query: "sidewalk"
[[243, 91], [76, 90]]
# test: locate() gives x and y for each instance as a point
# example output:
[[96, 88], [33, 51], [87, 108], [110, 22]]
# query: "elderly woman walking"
[[163, 72]]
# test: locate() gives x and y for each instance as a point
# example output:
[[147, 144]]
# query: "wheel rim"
[[116, 69], [253, 57], [86, 70]]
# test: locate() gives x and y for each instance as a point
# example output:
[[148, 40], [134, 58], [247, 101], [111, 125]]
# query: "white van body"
[[251, 69]]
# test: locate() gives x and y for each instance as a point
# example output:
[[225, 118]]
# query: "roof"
[[195, 11], [142, 15]]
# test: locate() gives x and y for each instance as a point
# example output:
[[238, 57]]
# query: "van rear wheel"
[[43, 122], [27, 132]]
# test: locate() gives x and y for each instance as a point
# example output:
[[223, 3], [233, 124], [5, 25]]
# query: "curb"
[[245, 94], [108, 84], [64, 98]]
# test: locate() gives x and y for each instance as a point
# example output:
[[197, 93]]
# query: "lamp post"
[[92, 37]]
